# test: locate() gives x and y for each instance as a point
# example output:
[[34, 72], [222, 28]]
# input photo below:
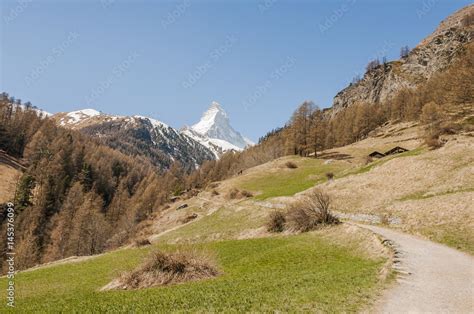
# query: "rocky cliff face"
[[435, 53]]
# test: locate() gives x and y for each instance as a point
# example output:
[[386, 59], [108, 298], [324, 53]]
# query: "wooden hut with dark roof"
[[376, 154], [396, 150]]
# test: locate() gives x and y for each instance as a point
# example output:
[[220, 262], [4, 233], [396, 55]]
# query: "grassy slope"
[[287, 182], [296, 273], [430, 191]]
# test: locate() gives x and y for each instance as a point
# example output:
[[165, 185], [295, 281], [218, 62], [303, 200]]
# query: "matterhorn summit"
[[215, 132]]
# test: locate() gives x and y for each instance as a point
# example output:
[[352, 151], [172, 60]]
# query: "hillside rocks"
[[434, 54]]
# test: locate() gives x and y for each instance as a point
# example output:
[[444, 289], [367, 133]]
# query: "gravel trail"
[[433, 278]]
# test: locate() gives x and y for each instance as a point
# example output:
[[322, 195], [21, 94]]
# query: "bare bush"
[[291, 165], [276, 222], [236, 194], [385, 219], [189, 218], [233, 194], [433, 141], [372, 65], [141, 242], [166, 268], [215, 192], [245, 193], [311, 212], [330, 176]]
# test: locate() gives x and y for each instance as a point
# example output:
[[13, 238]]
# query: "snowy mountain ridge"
[[138, 135]]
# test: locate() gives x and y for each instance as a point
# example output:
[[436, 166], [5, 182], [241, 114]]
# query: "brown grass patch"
[[291, 165], [165, 269]]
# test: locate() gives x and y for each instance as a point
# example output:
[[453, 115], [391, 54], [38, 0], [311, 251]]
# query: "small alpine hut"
[[396, 150], [376, 154]]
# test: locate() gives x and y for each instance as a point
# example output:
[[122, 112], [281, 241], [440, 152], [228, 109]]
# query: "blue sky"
[[170, 59]]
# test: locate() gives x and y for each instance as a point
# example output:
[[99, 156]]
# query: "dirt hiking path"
[[433, 278]]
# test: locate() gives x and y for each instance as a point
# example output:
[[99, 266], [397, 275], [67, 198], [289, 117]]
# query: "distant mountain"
[[215, 132], [138, 135]]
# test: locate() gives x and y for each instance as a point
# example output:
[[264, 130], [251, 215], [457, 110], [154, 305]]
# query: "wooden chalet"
[[396, 150], [376, 154]]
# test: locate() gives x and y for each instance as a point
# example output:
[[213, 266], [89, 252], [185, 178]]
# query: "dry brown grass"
[[166, 268]]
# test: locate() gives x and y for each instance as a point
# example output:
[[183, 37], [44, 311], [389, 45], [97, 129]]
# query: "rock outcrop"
[[434, 54]]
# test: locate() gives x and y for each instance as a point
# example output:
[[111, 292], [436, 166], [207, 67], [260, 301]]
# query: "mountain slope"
[[434, 54], [138, 135], [215, 132]]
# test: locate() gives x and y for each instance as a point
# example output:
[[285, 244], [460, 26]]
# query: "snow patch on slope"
[[75, 117]]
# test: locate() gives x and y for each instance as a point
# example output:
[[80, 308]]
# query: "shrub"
[[189, 218], [291, 165], [245, 193], [276, 222], [215, 192], [236, 194], [311, 212], [330, 176], [433, 141], [166, 268], [233, 194], [141, 242], [385, 219]]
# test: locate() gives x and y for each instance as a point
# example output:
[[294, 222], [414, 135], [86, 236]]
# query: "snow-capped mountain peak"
[[214, 115], [215, 132]]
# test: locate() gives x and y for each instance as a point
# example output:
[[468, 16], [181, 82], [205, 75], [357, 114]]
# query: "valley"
[[362, 207]]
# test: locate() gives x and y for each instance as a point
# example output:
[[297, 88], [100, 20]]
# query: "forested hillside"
[[76, 196]]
